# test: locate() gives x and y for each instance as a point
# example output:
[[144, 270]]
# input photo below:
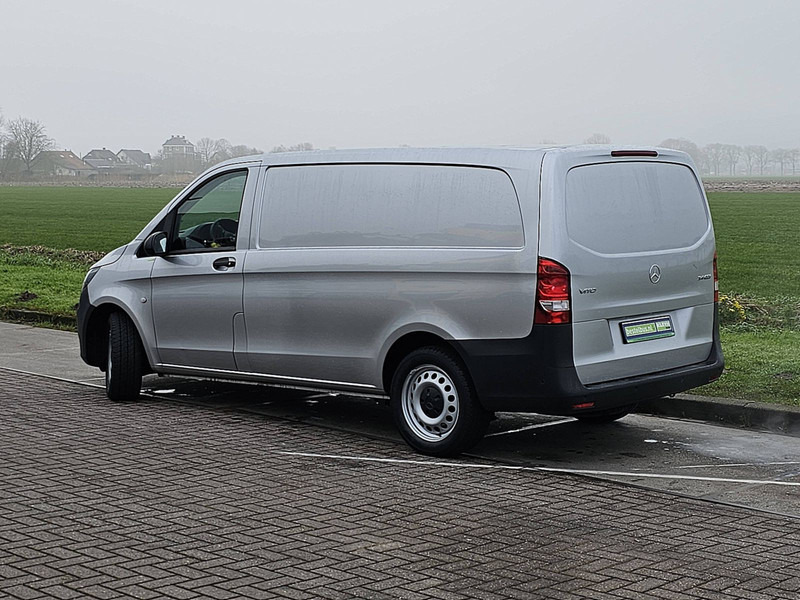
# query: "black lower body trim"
[[537, 374]]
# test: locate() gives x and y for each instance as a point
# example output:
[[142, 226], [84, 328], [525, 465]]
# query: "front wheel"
[[124, 358], [434, 403]]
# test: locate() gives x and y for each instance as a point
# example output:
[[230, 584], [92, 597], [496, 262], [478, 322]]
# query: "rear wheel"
[[124, 359], [434, 403], [604, 417]]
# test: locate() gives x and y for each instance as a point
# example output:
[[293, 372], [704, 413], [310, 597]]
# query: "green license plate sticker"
[[647, 329]]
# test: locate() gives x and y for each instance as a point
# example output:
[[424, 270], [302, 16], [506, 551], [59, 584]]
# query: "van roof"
[[499, 156]]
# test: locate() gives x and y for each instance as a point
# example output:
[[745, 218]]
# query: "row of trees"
[[22, 139], [211, 151], [730, 159]]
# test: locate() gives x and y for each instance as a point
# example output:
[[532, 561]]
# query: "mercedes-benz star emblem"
[[655, 274]]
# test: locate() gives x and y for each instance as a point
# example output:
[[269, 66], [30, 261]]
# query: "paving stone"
[[163, 499]]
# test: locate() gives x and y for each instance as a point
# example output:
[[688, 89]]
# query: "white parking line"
[[761, 464], [545, 469], [666, 476], [537, 426], [401, 461], [54, 377]]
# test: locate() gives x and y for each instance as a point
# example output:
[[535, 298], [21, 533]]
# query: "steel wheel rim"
[[430, 403]]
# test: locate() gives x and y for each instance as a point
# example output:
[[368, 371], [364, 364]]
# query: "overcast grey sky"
[[350, 73]]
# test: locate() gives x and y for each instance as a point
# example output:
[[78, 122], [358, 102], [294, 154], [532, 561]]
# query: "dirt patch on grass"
[[84, 257]]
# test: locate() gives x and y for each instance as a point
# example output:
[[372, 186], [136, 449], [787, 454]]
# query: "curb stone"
[[740, 413], [34, 316]]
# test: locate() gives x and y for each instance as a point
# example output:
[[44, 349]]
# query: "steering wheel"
[[224, 230]]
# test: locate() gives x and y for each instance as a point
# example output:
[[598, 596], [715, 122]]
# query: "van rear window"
[[389, 205], [624, 207]]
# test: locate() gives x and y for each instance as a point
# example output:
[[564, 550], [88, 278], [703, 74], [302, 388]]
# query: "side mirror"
[[155, 244]]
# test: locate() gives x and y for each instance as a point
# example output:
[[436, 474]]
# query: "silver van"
[[458, 282]]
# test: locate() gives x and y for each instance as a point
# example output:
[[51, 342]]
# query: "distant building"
[[61, 163], [136, 159], [102, 159], [178, 145], [179, 156]]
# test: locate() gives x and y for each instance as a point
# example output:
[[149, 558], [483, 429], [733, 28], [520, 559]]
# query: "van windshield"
[[628, 207]]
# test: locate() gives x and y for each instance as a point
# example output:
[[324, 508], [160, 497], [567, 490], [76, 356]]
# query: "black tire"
[[124, 359], [604, 417], [432, 384]]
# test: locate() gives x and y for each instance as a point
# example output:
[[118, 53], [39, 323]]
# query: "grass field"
[[758, 235], [55, 281], [760, 365], [74, 217], [758, 242]]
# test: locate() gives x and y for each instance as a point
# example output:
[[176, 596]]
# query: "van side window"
[[209, 217], [389, 205]]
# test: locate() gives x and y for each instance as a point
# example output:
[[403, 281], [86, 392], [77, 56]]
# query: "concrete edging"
[[740, 413], [20, 315]]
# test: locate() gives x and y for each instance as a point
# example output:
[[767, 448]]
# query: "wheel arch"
[[407, 343], [97, 330]]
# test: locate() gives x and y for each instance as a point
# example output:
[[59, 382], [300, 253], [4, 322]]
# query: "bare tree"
[[598, 138], [684, 146], [715, 154], [212, 151], [3, 139], [302, 147], [794, 158], [761, 158], [750, 153], [28, 138], [242, 150], [732, 154], [781, 158], [7, 152]]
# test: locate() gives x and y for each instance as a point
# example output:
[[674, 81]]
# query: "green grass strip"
[[761, 366]]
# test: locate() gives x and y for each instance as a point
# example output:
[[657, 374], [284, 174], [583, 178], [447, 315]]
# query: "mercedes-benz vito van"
[[457, 282]]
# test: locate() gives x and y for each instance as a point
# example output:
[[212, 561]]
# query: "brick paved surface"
[[162, 500]]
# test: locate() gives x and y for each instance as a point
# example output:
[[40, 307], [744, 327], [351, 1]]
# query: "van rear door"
[[635, 233]]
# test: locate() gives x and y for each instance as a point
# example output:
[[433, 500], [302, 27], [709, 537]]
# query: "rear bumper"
[[537, 374]]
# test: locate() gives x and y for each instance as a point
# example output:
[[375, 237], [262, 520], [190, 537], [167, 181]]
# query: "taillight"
[[716, 280], [552, 293]]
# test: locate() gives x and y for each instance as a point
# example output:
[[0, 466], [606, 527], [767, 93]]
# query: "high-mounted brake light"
[[552, 293], [716, 280], [623, 153]]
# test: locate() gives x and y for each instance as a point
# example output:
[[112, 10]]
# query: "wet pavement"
[[727, 464], [756, 469], [227, 490], [246, 492]]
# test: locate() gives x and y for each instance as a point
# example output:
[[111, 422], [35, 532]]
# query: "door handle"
[[225, 263]]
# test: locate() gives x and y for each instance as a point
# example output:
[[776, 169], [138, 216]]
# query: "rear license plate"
[[647, 329]]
